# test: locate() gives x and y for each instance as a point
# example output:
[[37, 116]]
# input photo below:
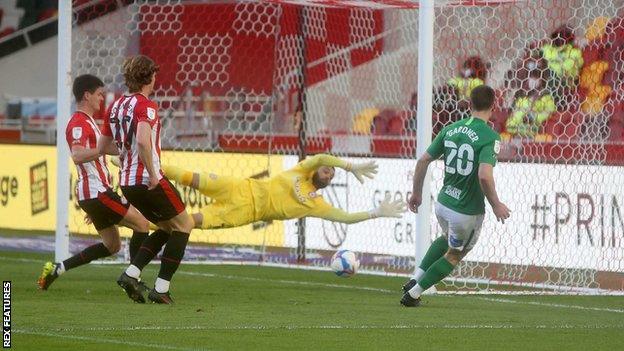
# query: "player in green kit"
[[469, 148]]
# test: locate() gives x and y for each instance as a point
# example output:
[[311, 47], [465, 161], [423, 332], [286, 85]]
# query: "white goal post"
[[63, 104]]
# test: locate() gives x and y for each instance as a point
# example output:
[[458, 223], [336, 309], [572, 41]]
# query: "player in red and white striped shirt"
[[123, 118], [103, 206], [132, 124]]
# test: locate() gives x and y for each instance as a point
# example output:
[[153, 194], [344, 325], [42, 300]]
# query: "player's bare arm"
[[106, 146], [144, 143], [486, 180], [80, 154], [419, 177], [386, 209]]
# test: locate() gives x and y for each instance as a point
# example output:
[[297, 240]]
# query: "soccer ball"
[[344, 263]]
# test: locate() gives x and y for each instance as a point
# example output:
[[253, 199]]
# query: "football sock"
[[172, 255], [59, 268], [178, 174], [416, 291], [438, 271], [133, 271], [135, 242], [161, 286], [418, 274], [148, 250], [87, 255], [437, 249]]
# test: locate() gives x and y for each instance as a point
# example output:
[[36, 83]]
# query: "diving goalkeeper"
[[288, 195]]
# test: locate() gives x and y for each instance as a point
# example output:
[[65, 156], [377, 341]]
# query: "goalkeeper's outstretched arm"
[[182, 176], [386, 208], [319, 160], [359, 170], [208, 184]]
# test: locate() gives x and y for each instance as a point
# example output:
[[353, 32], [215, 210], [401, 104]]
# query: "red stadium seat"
[[47, 13], [568, 125], [396, 125], [616, 132], [553, 126], [615, 30], [6, 31], [499, 118], [382, 121], [595, 50]]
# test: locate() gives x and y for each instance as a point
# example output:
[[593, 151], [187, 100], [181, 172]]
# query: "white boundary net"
[[234, 74]]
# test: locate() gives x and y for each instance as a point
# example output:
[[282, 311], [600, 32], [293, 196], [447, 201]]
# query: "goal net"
[[245, 88]]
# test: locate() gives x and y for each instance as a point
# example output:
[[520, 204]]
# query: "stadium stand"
[[597, 104]]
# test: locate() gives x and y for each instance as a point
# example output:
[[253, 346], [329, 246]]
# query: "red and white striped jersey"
[[93, 176], [120, 123]]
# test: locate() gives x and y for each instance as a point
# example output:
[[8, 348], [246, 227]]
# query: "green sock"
[[438, 248], [438, 271]]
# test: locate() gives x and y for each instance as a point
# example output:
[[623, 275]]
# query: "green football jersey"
[[464, 144]]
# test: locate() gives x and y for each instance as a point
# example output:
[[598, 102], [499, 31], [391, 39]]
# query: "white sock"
[[133, 271], [418, 273], [60, 269], [161, 286], [416, 291]]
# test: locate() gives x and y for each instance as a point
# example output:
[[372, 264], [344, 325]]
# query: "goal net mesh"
[[246, 87]]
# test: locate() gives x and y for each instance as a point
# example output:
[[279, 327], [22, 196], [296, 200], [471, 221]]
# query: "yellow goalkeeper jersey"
[[291, 194]]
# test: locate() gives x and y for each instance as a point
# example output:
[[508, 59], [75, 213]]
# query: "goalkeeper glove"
[[361, 170], [388, 208]]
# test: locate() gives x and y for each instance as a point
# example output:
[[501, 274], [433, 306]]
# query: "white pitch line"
[[234, 277], [342, 286], [107, 341], [326, 327], [364, 288], [550, 290], [283, 281], [15, 259], [546, 304]]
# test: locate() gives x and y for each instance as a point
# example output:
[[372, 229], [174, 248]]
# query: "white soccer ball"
[[344, 263]]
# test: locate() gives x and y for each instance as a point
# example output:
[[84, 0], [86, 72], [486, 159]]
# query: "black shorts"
[[159, 204], [106, 210]]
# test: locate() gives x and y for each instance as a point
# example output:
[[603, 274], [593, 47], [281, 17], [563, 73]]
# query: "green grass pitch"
[[262, 308]]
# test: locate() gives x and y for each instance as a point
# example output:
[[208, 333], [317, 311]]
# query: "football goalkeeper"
[[287, 195]]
